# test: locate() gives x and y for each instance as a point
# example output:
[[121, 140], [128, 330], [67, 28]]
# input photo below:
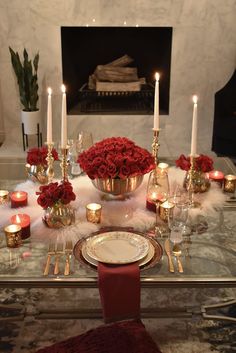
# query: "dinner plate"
[[117, 247], [141, 262]]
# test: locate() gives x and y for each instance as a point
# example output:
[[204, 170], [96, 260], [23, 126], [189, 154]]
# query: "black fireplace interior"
[[84, 48], [224, 128]]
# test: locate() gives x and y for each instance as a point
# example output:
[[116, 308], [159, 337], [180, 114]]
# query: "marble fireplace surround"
[[203, 60]]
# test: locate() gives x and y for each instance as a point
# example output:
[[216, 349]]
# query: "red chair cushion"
[[119, 337]]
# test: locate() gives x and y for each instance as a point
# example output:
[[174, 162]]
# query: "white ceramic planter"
[[30, 120]]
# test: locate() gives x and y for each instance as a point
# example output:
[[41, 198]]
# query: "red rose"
[[102, 171], [124, 171], [111, 170], [183, 162]]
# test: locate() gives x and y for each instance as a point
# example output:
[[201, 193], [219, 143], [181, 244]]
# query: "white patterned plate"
[[118, 247], [141, 262]]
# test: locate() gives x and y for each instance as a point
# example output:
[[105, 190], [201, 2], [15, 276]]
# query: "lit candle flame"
[[18, 194], [195, 99], [18, 220], [157, 76], [49, 90], [63, 88]]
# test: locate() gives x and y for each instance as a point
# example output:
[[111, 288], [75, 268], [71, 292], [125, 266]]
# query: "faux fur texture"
[[131, 212]]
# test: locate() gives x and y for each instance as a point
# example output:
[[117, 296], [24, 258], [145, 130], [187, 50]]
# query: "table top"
[[209, 259]]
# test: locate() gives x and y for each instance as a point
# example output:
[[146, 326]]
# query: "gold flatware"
[[51, 251], [68, 252], [58, 253], [168, 253], [177, 252]]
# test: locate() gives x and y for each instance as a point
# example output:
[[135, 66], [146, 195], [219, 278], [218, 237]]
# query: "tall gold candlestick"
[[155, 146], [192, 172], [64, 163], [50, 160]]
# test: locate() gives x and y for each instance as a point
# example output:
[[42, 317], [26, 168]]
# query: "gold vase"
[[118, 186], [59, 216], [37, 173], [200, 183]]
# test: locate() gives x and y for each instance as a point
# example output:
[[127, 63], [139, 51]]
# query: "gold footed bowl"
[[59, 216], [37, 173], [118, 187]]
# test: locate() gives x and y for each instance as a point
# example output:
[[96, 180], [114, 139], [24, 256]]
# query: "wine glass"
[[84, 141]]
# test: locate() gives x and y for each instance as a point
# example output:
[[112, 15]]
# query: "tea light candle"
[[230, 183], [24, 221], [93, 212], [165, 209], [19, 199], [217, 176], [4, 194], [13, 235]]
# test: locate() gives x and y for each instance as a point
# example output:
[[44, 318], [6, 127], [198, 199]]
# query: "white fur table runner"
[[128, 213]]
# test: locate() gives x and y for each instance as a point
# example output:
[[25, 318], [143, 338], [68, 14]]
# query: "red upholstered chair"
[[119, 337]]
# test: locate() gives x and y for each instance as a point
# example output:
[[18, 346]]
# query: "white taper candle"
[[63, 119], [194, 127], [156, 119], [49, 116]]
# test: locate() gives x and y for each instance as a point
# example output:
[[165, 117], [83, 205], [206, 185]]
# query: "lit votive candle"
[[166, 208], [19, 199], [13, 235], [153, 200], [93, 212], [230, 183], [4, 195], [216, 176], [22, 220]]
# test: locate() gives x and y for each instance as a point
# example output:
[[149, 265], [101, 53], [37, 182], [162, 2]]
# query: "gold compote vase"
[[37, 173], [59, 215]]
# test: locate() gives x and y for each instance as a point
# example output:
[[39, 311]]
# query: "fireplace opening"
[[111, 70]]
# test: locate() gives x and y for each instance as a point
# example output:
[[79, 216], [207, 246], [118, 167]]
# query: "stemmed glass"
[[84, 141]]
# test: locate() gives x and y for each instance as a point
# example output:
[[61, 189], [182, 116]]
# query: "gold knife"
[[168, 253]]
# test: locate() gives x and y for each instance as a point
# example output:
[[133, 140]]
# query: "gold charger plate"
[[117, 247], [158, 252]]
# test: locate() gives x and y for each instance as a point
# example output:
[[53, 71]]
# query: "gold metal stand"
[[192, 172], [155, 146], [50, 160], [64, 163]]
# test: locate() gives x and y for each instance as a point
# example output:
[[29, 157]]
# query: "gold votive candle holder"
[[13, 235], [230, 183], [166, 210], [93, 212], [4, 196]]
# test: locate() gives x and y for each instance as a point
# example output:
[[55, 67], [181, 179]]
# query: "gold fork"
[[51, 251], [58, 253], [68, 252], [177, 252]]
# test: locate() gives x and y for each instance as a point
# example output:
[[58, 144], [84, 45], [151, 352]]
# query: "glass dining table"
[[208, 259]]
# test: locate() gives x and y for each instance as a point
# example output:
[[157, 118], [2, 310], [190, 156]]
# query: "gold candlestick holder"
[[155, 146], [64, 163], [50, 160], [192, 173]]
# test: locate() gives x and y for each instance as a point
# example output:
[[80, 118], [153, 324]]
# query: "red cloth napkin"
[[119, 288]]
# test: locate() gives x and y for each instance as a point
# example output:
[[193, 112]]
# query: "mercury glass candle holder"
[[93, 212], [230, 183], [13, 235], [4, 196]]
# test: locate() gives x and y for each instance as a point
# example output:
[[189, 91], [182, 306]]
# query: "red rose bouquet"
[[202, 163], [36, 156], [116, 157], [55, 193]]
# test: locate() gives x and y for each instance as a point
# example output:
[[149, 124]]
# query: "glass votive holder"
[[93, 212], [230, 183], [166, 210], [13, 235], [4, 196]]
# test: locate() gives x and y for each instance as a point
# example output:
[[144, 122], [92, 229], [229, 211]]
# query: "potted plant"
[[27, 79]]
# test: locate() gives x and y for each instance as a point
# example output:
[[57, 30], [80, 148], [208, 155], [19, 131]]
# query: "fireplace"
[[86, 48], [224, 137]]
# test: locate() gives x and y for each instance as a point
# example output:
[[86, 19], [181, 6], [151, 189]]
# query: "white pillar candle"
[[63, 119], [194, 128], [49, 116], [156, 122]]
